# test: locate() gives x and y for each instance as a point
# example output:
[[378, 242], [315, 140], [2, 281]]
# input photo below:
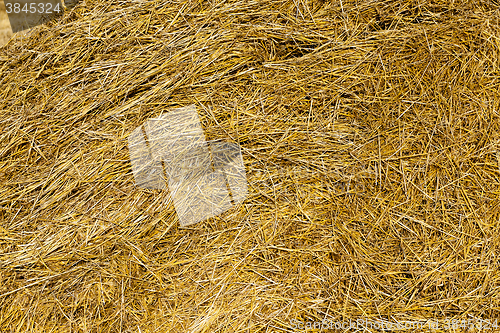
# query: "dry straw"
[[369, 131], [5, 29]]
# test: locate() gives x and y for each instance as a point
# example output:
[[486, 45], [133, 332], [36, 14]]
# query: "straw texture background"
[[369, 131]]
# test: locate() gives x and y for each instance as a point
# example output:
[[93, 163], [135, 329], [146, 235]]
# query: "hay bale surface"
[[369, 131]]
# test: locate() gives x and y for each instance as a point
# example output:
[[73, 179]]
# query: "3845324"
[[32, 8]]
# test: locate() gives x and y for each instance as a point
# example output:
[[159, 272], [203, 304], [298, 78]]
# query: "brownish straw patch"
[[369, 131]]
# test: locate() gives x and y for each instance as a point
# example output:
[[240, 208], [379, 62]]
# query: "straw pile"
[[369, 132]]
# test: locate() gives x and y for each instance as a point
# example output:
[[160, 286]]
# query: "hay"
[[369, 131], [5, 29]]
